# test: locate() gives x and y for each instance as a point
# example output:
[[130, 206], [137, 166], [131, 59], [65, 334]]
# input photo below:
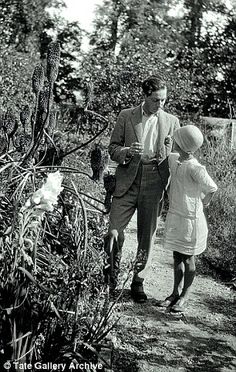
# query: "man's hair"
[[152, 84]]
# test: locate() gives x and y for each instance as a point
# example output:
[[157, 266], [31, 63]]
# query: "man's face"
[[155, 101]]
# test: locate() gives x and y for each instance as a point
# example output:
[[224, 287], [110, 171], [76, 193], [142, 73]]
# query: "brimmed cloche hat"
[[189, 138]]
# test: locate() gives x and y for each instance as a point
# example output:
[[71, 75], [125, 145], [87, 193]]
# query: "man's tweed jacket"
[[128, 129]]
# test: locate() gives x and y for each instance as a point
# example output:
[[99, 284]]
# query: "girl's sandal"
[[178, 308], [169, 301]]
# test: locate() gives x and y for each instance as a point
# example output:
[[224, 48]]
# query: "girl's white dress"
[[186, 227]]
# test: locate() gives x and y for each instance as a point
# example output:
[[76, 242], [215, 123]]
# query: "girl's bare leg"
[[178, 280], [189, 275], [178, 273]]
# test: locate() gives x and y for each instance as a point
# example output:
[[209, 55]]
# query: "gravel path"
[[149, 339]]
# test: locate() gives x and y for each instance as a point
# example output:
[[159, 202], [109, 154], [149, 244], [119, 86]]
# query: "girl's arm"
[[206, 184], [207, 199]]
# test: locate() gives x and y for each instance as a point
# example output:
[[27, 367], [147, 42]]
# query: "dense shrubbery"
[[54, 303], [220, 256]]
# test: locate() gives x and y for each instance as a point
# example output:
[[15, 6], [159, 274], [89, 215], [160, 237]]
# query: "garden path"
[[149, 339]]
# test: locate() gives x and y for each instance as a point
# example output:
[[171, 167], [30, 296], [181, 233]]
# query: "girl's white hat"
[[189, 138]]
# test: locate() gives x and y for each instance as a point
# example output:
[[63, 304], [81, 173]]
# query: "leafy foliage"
[[20, 25], [220, 256], [187, 46], [53, 299], [21, 22]]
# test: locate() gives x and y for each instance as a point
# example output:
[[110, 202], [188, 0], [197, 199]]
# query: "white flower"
[[46, 197], [51, 189], [28, 204], [36, 198], [53, 183]]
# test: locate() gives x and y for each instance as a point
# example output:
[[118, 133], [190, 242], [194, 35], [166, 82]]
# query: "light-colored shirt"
[[149, 135]]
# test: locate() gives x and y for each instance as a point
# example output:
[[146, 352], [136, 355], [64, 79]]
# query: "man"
[[140, 144]]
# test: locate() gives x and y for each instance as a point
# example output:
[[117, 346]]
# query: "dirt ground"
[[150, 339]]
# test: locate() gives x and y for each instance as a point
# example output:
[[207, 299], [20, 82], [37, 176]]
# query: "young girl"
[[191, 189]]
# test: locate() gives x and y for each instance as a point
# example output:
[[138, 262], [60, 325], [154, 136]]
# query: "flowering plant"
[[32, 213], [46, 197]]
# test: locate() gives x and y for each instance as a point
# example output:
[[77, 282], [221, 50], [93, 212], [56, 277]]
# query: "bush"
[[54, 303], [220, 256]]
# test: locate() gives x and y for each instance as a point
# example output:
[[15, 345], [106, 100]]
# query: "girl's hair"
[[152, 84]]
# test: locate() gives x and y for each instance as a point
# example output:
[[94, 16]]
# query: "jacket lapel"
[[136, 119]]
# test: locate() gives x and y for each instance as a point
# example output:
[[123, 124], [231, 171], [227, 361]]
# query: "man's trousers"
[[144, 196]]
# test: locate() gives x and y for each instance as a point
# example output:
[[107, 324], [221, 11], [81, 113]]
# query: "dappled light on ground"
[[150, 339]]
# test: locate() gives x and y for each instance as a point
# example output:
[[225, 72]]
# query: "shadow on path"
[[150, 339]]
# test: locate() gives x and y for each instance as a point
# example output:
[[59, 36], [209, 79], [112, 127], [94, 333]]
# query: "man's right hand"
[[136, 148]]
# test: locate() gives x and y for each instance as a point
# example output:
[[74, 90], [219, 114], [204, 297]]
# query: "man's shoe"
[[137, 293]]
